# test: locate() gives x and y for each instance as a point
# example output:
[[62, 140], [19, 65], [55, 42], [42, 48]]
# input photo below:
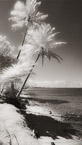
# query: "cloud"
[[55, 84]]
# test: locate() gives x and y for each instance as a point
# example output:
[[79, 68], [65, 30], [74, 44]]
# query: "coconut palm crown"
[[25, 13], [43, 37], [20, 69]]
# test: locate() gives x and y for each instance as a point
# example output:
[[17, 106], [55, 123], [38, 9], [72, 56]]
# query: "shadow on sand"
[[47, 126]]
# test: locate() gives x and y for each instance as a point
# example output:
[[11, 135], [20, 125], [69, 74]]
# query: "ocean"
[[63, 100], [66, 103], [59, 93]]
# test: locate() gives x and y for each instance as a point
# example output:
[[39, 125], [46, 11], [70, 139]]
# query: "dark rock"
[[52, 143], [37, 135]]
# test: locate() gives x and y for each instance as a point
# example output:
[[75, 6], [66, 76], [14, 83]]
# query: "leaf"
[[54, 55], [27, 13], [50, 55]]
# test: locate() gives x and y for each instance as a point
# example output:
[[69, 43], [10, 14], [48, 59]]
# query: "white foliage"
[[39, 39], [19, 5], [14, 73], [19, 70], [5, 47], [22, 13], [42, 36], [27, 52]]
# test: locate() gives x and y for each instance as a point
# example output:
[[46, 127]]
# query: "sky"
[[66, 17]]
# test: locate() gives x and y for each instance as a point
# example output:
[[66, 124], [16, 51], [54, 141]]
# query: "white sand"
[[13, 122]]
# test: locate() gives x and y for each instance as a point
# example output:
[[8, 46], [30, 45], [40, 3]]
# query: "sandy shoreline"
[[38, 125]]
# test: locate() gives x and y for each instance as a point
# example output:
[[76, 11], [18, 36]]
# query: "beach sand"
[[38, 125], [43, 122]]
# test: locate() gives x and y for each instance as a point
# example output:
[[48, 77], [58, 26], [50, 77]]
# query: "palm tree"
[[26, 14], [43, 37], [39, 40]]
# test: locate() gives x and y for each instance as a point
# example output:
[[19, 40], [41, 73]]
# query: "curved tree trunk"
[[12, 87], [22, 42], [28, 76]]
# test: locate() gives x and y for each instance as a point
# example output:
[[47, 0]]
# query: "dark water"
[[63, 100], [56, 91], [68, 98], [52, 93]]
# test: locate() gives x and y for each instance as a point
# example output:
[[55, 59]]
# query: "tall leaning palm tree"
[[42, 37], [26, 14], [37, 34]]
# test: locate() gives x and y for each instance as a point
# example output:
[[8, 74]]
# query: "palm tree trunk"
[[12, 90], [20, 52], [12, 86], [28, 76], [22, 42]]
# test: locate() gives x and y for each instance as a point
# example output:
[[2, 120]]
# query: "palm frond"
[[43, 36], [23, 14], [14, 73], [54, 55], [19, 70], [49, 54]]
